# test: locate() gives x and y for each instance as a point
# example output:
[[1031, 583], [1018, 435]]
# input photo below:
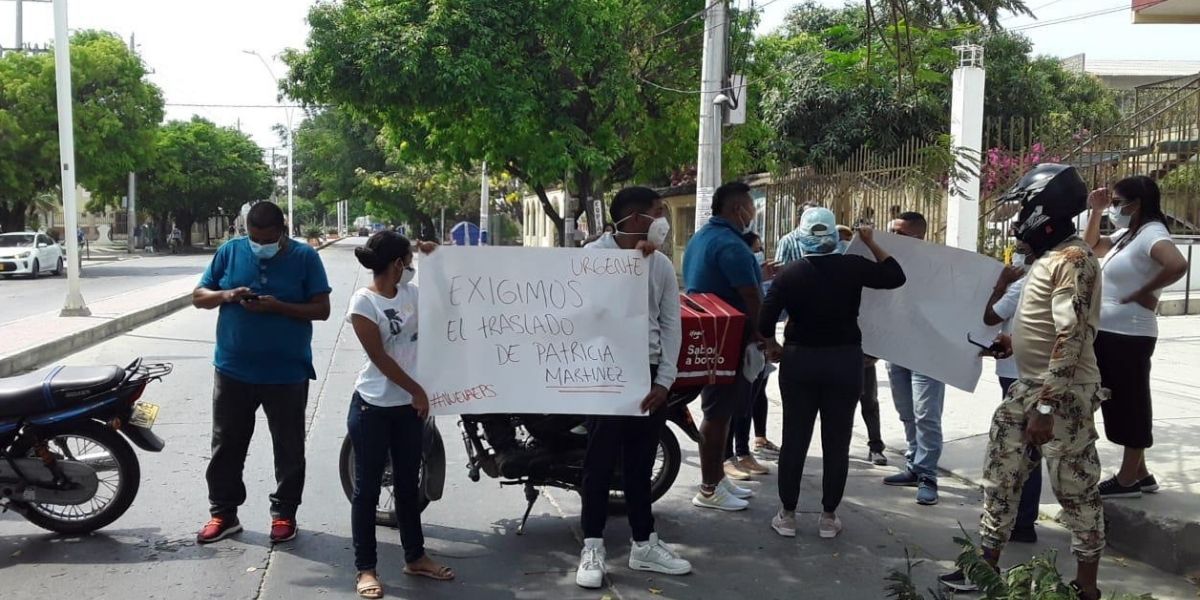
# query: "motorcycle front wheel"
[[667, 460], [385, 510], [116, 467]]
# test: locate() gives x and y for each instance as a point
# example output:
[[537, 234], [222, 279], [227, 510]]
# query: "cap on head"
[[818, 221]]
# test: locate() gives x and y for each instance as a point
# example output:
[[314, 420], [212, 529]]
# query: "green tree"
[[544, 90], [116, 114], [202, 170], [830, 85]]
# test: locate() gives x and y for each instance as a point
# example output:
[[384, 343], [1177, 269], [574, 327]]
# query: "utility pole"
[[20, 26], [288, 113], [484, 200], [74, 306], [131, 210], [291, 221], [712, 100]]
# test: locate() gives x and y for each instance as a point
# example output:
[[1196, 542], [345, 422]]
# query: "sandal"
[[438, 572], [370, 589]]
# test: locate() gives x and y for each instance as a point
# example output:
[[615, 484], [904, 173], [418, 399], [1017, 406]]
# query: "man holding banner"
[[637, 212], [919, 400]]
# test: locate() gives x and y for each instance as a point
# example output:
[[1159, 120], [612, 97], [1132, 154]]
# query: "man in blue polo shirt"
[[269, 291], [717, 261]]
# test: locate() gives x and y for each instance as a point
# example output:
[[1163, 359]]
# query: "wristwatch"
[[1045, 409]]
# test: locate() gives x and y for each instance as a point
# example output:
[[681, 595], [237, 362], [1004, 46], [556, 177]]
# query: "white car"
[[30, 254]]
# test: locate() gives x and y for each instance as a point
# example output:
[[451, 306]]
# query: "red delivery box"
[[712, 341]]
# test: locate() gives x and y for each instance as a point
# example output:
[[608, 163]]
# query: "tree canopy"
[[831, 86], [117, 111], [545, 90], [201, 170]]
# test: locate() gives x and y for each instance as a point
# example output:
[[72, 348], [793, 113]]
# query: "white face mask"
[[658, 232], [1118, 218], [749, 225], [760, 257], [406, 276], [1018, 260]]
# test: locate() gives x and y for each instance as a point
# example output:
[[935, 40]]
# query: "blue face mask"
[[264, 251], [818, 244]]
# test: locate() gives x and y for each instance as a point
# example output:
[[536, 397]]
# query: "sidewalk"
[[32, 342], [1160, 529]]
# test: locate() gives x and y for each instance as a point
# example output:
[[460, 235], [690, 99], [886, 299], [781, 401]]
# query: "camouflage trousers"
[[1071, 460]]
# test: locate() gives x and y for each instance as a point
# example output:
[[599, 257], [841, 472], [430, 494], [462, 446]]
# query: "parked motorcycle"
[[64, 464], [553, 456]]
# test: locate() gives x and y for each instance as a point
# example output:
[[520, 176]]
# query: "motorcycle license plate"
[[144, 415]]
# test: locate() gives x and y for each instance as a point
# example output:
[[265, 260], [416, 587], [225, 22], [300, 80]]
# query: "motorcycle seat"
[[55, 389]]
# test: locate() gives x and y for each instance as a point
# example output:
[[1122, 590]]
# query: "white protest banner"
[[533, 330], [923, 326]]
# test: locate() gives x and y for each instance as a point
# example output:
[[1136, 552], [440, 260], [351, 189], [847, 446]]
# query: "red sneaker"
[[217, 529], [283, 530]]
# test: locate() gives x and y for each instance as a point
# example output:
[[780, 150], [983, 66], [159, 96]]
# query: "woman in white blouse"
[[1138, 260]]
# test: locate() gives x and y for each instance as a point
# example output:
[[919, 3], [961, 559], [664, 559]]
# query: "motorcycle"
[[64, 464], [550, 453]]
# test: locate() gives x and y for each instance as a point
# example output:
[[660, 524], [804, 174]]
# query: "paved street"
[[20, 298], [150, 552]]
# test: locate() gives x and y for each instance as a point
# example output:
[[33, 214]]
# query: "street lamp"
[[74, 306], [288, 113]]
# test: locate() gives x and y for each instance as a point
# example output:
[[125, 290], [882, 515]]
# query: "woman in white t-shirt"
[[388, 410], [1137, 261]]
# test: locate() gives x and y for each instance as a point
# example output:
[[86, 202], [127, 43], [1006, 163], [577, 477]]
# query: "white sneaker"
[[829, 528], [736, 490], [720, 499], [784, 524], [591, 564], [653, 555]]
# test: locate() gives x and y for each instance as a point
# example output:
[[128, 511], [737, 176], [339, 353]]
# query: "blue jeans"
[[1031, 494], [377, 434], [919, 400]]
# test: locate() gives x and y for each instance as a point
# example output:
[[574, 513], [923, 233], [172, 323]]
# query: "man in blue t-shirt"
[[269, 291], [718, 261]]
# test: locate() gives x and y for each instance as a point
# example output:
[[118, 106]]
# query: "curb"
[[38, 356], [1163, 543], [1168, 544]]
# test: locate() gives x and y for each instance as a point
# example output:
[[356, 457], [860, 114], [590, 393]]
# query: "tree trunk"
[[559, 223], [13, 219], [427, 229], [184, 221]]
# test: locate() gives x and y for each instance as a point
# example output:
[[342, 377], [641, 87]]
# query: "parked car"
[[364, 232], [30, 254]]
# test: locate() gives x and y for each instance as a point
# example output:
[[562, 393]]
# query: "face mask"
[[264, 251], [406, 276], [657, 234], [760, 257], [659, 229], [1018, 260], [749, 227], [1120, 220]]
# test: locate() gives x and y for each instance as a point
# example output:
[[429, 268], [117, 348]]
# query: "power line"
[[1073, 18], [198, 105]]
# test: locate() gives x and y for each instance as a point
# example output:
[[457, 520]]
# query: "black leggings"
[[825, 382]]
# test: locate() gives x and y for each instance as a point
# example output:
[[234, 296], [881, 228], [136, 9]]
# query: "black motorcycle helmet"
[[1050, 195]]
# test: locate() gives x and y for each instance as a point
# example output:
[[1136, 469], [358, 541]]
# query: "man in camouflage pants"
[[1051, 407]]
